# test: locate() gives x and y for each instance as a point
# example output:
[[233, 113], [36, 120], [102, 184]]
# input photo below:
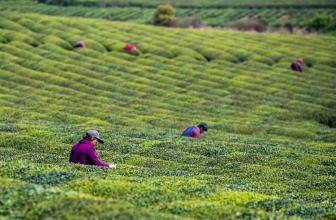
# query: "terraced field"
[[270, 149], [271, 17]]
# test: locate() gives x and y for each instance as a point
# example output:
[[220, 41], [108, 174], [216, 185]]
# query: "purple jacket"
[[84, 153], [296, 66]]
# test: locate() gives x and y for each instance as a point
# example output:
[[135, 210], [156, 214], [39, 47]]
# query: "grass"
[[268, 154]]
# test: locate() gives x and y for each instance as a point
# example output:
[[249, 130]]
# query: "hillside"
[[287, 15], [270, 149]]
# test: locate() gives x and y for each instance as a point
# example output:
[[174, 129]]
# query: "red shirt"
[[130, 48]]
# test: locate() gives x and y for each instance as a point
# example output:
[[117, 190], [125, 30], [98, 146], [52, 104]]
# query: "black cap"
[[204, 126]]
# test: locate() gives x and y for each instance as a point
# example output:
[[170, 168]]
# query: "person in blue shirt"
[[195, 131]]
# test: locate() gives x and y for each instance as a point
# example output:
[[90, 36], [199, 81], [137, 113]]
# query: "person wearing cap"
[[130, 48], [84, 151], [195, 131], [79, 44], [297, 65]]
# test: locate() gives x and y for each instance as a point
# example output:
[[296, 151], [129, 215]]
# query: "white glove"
[[112, 166]]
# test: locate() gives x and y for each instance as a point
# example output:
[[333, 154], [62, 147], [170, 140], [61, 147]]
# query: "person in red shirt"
[[84, 151], [195, 131], [130, 48]]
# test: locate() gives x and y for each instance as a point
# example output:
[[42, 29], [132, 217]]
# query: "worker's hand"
[[112, 166]]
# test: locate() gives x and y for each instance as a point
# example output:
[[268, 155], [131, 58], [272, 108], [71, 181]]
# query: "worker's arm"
[[94, 158]]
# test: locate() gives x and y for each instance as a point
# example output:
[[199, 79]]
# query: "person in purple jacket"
[[297, 65], [195, 131], [84, 151]]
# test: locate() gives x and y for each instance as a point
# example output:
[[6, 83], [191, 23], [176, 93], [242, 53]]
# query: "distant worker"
[[131, 48], [84, 151], [79, 44], [297, 65], [195, 131]]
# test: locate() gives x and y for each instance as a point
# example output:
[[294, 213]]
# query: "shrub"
[[319, 22], [328, 62], [50, 39], [186, 52], [263, 59], [310, 61], [327, 118], [164, 15], [241, 55], [51, 178]]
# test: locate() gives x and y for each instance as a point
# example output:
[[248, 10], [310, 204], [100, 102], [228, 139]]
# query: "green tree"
[[164, 15], [319, 22]]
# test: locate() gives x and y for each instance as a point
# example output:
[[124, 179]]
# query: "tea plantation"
[[271, 15], [270, 152]]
